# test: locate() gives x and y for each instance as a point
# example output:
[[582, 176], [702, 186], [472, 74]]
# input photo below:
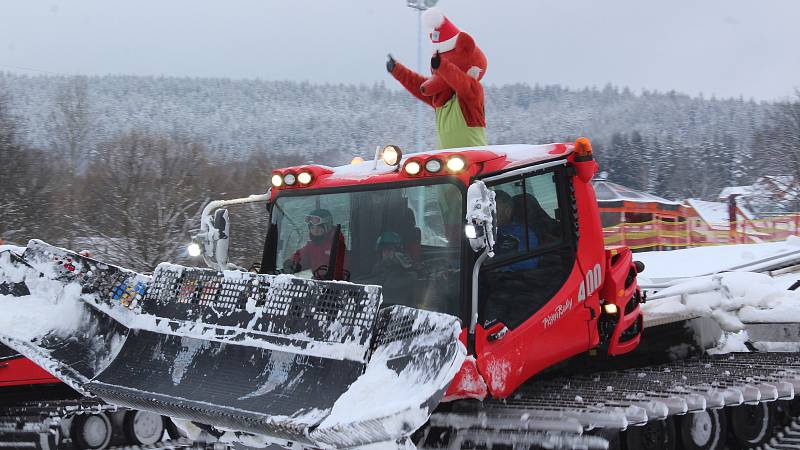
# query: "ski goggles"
[[316, 220]]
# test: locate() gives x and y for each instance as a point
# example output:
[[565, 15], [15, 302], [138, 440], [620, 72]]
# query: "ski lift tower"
[[420, 6]]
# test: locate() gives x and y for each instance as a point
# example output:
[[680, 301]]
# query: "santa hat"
[[444, 34]]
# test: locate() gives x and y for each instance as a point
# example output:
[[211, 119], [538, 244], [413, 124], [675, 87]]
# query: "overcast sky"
[[721, 47]]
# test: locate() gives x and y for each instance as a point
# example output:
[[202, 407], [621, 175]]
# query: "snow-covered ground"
[[699, 282], [699, 261]]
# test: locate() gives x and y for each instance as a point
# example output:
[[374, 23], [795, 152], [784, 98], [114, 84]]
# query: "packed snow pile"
[[51, 306], [731, 298], [716, 282]]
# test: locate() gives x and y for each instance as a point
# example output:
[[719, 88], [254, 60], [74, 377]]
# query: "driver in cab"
[[317, 251]]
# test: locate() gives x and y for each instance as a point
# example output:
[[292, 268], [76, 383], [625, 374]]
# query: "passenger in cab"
[[317, 251], [511, 237], [393, 270]]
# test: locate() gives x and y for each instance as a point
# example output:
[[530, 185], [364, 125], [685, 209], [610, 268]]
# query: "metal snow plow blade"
[[46, 317], [304, 361]]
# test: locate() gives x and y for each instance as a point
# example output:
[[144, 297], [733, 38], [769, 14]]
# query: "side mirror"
[[212, 241], [214, 234], [480, 217]]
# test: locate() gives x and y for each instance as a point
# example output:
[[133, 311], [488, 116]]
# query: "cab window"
[[533, 256]]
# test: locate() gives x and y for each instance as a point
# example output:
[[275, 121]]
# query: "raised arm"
[[408, 78], [465, 86]]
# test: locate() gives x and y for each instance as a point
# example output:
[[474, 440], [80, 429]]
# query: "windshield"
[[407, 240]]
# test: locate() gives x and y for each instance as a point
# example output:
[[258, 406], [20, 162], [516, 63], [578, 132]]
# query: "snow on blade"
[[416, 358], [280, 357], [51, 323]]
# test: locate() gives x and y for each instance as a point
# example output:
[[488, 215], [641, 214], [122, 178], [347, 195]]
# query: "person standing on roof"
[[454, 89], [317, 251]]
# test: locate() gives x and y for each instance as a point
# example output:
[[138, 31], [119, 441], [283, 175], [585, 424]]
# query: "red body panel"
[[620, 266], [22, 371], [567, 324]]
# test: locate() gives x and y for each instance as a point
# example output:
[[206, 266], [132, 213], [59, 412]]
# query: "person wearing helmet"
[[393, 269], [391, 257], [317, 251]]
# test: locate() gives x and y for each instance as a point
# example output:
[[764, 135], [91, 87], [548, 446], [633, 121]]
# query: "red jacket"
[[459, 74], [314, 253], [318, 253]]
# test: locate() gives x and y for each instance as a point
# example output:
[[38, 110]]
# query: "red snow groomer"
[[429, 297]]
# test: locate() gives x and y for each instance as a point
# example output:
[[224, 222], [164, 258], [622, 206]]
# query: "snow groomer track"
[[558, 413]]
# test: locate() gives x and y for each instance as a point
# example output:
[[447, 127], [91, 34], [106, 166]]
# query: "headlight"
[[289, 179], [470, 231], [433, 165], [456, 164], [392, 155], [357, 160], [277, 180], [413, 168], [304, 178], [193, 249], [610, 308]]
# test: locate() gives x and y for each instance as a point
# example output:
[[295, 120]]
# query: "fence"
[[660, 234]]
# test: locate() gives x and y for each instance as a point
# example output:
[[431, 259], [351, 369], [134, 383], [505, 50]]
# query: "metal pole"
[[419, 143]]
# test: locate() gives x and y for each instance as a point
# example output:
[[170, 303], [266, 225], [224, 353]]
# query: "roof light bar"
[[304, 178], [456, 164], [433, 165], [413, 168], [392, 155]]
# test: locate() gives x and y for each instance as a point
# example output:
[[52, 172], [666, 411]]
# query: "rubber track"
[[39, 416], [616, 400], [787, 438]]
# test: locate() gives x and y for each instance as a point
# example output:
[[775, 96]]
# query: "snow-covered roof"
[[515, 154], [715, 214], [735, 190], [769, 195], [607, 191]]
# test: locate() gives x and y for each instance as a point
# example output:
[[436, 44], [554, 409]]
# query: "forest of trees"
[[124, 164]]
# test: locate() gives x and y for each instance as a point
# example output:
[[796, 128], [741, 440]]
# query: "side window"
[[532, 257], [541, 208]]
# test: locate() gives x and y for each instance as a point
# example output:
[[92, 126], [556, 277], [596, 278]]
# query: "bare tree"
[[70, 121], [777, 145], [147, 196]]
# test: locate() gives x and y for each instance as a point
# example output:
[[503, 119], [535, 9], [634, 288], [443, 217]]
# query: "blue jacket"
[[517, 231]]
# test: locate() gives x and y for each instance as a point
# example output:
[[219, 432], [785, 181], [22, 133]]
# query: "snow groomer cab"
[[526, 272]]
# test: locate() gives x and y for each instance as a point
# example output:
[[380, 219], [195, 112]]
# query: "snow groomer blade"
[[415, 356], [258, 353], [51, 315], [271, 355]]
